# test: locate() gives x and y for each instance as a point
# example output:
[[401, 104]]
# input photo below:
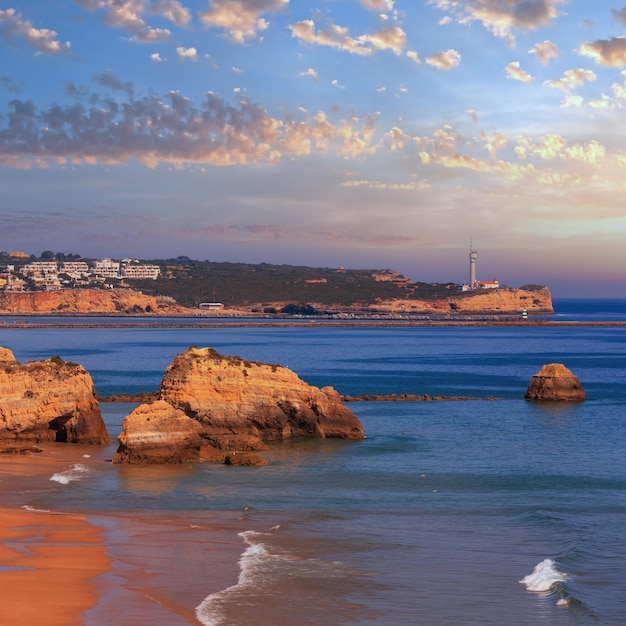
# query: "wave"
[[269, 564], [76, 472], [210, 612], [32, 509], [545, 577], [548, 579]]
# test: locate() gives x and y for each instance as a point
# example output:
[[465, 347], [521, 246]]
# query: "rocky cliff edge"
[[483, 301], [86, 301]]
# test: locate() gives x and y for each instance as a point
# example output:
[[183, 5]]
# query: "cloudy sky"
[[355, 133]]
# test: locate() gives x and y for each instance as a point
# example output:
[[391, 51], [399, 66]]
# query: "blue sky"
[[355, 133]]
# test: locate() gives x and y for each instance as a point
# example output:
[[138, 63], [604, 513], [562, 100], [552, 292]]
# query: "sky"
[[356, 133]]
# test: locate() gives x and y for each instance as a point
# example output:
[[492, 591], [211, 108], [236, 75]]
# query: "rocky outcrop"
[[482, 301], [159, 433], [86, 301], [49, 400], [555, 382], [230, 404], [244, 459]]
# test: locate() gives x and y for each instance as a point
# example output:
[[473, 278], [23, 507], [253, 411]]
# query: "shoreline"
[[313, 323], [100, 567]]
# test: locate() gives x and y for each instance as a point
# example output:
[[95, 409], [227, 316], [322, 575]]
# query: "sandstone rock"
[[160, 433], [48, 401], [73, 301], [244, 459], [555, 382], [483, 301], [6, 356], [230, 404], [230, 396]]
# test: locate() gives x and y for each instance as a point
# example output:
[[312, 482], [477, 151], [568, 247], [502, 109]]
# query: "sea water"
[[480, 511]]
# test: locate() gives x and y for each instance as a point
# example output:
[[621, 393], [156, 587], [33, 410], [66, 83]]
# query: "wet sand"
[[99, 568], [48, 567]]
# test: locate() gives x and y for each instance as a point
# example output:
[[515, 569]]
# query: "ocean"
[[451, 512]]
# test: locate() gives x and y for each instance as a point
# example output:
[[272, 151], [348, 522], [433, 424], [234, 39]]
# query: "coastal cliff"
[[210, 404], [86, 301], [51, 400], [123, 302], [484, 301]]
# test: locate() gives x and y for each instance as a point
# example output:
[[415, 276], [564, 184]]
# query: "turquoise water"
[[439, 517]]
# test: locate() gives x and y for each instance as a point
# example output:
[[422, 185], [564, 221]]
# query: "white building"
[[106, 268], [143, 272], [75, 269], [40, 268], [487, 284]]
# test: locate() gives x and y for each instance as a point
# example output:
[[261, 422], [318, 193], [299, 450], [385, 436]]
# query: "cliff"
[[210, 404], [48, 400], [86, 301], [484, 301]]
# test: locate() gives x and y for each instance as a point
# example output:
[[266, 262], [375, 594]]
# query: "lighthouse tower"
[[473, 255]]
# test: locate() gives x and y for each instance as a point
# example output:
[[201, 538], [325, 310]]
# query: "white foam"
[[544, 577], [209, 611], [27, 507], [76, 472]]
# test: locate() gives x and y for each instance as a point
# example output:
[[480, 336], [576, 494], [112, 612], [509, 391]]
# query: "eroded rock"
[[49, 400], [555, 382], [231, 405], [160, 433]]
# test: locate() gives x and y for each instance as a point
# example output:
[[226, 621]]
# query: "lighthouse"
[[473, 255]]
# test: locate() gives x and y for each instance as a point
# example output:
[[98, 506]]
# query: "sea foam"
[[76, 472], [210, 612], [545, 577]]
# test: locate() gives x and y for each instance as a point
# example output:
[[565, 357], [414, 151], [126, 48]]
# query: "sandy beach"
[[126, 568], [48, 567]]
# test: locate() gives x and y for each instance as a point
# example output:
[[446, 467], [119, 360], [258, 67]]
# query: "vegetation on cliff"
[[288, 289]]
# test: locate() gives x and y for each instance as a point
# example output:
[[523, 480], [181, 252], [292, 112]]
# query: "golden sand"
[[48, 566]]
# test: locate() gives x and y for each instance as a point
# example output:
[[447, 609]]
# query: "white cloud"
[[514, 71], [241, 19], [414, 56], [42, 40], [339, 37], [608, 52], [502, 18], [378, 5], [545, 51], [447, 60], [572, 79], [171, 129], [187, 53], [310, 72], [129, 15]]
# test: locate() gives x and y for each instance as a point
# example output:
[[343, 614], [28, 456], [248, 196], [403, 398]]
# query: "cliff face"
[[104, 301], [235, 405], [48, 401], [485, 301]]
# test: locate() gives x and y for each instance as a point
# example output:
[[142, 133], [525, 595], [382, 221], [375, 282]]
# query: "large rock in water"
[[230, 405], [48, 400], [555, 382]]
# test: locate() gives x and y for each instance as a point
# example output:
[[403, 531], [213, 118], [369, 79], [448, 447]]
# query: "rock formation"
[[482, 301], [86, 301], [212, 404], [555, 382], [159, 433], [48, 400]]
